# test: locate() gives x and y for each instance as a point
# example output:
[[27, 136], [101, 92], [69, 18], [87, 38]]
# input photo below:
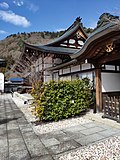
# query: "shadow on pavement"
[[3, 121]]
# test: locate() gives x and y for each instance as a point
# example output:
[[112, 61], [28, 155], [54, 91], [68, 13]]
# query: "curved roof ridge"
[[76, 24], [77, 21]]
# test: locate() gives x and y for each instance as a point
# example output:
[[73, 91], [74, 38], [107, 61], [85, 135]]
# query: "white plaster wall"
[[74, 76], [36, 63], [118, 68], [86, 66], [90, 76], [39, 60], [32, 68], [48, 59], [65, 78], [47, 62], [40, 67], [110, 82], [66, 70], [47, 65], [60, 71], [75, 68], [2, 82], [109, 67], [57, 61], [86, 74], [93, 66], [37, 68], [47, 76], [55, 76]]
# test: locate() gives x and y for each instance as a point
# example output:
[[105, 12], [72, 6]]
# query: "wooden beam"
[[109, 57]]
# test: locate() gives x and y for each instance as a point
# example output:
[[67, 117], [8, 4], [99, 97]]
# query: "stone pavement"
[[18, 141]]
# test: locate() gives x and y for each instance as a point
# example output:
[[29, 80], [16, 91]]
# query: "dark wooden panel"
[[111, 105]]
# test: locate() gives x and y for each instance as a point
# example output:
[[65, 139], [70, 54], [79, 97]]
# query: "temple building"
[[36, 59], [77, 55]]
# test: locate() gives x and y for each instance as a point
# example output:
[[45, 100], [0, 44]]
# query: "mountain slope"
[[12, 45]]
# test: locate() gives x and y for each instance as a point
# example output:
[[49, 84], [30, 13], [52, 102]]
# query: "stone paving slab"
[[35, 147], [3, 132], [110, 132], [70, 136], [90, 125], [14, 133], [89, 139], [19, 141], [3, 148], [55, 134], [12, 126], [63, 147], [74, 129], [19, 155], [16, 147], [92, 130], [4, 156], [25, 128], [45, 157], [3, 142], [50, 142]]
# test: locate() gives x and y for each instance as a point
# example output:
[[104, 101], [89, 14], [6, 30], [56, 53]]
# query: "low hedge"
[[63, 99]]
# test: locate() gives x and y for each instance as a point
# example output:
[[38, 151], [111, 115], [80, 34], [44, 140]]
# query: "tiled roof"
[[52, 47], [58, 50], [98, 33]]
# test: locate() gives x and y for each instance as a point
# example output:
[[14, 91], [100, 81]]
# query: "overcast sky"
[[51, 15]]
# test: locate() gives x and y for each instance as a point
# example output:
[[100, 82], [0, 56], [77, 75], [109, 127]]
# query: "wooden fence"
[[111, 106]]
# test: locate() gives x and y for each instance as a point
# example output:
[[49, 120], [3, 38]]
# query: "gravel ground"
[[108, 149]]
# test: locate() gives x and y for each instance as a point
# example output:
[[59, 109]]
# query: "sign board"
[[1, 82]]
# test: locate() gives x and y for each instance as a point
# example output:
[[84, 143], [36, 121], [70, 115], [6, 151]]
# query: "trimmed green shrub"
[[63, 99]]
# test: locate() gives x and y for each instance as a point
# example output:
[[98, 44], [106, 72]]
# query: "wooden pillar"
[[98, 90], [42, 71]]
